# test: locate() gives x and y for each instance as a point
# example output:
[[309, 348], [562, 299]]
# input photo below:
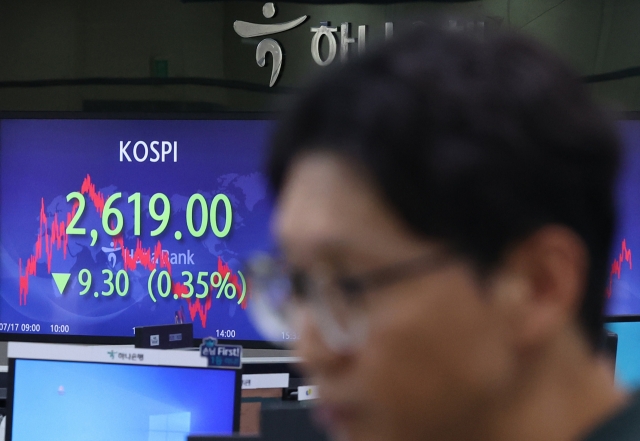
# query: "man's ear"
[[541, 284]]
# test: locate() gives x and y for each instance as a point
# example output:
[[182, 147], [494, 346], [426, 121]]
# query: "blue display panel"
[[110, 224], [623, 290], [69, 401], [628, 354]]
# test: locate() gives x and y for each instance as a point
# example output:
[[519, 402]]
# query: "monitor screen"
[[73, 400], [627, 356], [623, 290], [106, 225]]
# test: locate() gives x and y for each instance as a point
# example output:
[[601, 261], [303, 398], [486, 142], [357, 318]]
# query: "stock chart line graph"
[[616, 265], [58, 236], [52, 238]]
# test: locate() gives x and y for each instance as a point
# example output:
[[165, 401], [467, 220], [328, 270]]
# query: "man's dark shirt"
[[623, 426]]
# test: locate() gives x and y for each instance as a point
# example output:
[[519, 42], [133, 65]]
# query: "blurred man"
[[445, 210]]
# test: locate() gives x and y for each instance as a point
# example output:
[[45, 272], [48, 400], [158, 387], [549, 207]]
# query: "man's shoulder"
[[622, 426]]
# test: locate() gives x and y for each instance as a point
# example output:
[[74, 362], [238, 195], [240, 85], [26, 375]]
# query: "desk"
[[252, 400]]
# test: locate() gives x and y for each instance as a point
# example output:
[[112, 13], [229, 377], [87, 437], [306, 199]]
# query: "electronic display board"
[[110, 224]]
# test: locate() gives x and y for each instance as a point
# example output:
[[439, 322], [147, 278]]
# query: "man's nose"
[[317, 356]]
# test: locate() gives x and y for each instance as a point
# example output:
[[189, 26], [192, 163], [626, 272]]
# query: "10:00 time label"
[[60, 329]]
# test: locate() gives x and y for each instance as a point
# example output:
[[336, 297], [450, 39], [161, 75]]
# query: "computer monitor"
[[68, 393], [283, 421], [110, 224], [627, 363]]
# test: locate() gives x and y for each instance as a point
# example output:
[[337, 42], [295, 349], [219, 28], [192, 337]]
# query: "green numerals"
[[110, 212], [188, 284], [84, 278], [121, 285], [210, 214], [108, 282], [71, 228], [164, 284], [204, 284], [135, 198], [213, 214], [203, 210], [199, 215], [163, 216]]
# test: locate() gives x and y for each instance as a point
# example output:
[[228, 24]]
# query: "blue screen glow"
[[111, 224], [628, 354], [77, 401]]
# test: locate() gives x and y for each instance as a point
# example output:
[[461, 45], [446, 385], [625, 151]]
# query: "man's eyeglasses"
[[337, 303]]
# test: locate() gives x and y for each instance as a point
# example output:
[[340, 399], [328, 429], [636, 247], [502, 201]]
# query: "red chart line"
[[149, 258], [616, 266]]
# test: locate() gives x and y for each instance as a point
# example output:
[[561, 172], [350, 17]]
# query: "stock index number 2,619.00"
[[159, 211]]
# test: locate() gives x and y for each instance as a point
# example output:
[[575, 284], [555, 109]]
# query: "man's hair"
[[477, 142]]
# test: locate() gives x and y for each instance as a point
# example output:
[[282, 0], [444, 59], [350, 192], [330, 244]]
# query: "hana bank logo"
[[339, 39], [247, 30]]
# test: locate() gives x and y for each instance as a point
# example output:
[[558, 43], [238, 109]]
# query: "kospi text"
[[154, 151]]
